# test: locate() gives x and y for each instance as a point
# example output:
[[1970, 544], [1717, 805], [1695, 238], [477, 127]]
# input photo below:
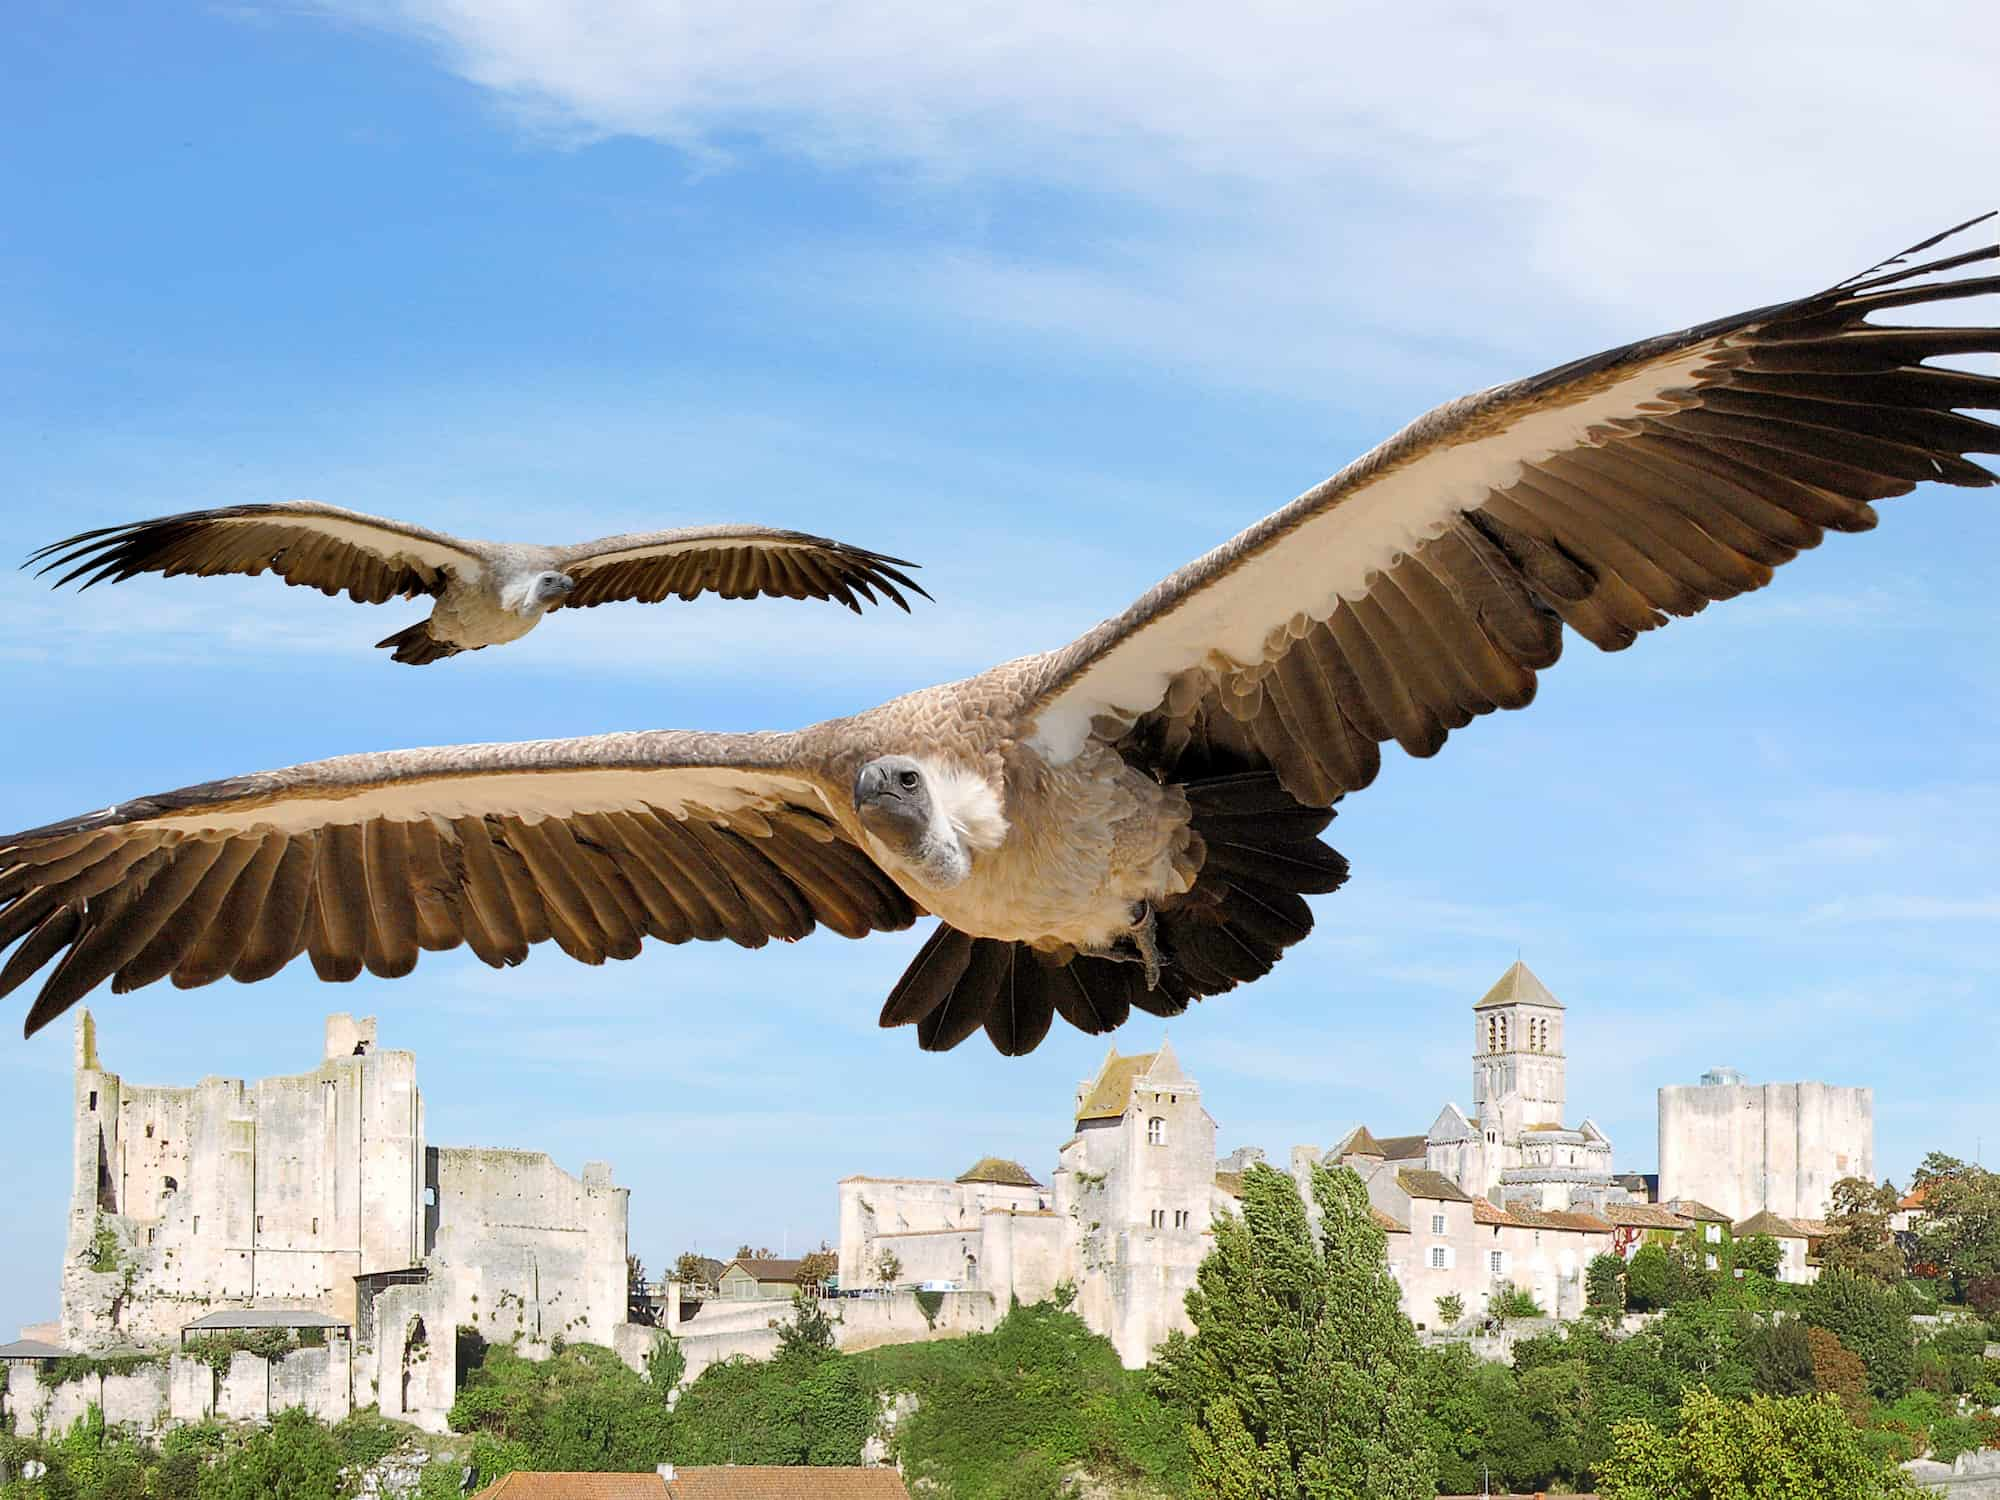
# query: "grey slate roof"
[[1518, 986], [261, 1317], [31, 1349]]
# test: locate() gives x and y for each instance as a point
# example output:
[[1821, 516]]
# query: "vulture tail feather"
[[417, 647], [1245, 909]]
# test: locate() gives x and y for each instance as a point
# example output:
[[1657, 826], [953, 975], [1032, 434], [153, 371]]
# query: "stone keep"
[[318, 1191], [1750, 1147]]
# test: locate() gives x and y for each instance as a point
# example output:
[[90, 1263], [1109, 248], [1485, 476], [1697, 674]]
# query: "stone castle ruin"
[[315, 1200]]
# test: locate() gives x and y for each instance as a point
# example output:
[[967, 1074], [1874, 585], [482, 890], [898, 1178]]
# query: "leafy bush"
[[1002, 1415], [1604, 1285], [1868, 1318], [1512, 1301]]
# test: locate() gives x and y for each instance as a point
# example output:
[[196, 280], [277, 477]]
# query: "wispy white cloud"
[[1263, 158], [1862, 911]]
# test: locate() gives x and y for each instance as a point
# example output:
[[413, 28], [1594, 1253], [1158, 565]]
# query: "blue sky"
[[1051, 299]]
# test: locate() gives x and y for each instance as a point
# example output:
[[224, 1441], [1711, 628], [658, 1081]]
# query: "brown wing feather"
[[735, 562], [1738, 444], [367, 862], [368, 558]]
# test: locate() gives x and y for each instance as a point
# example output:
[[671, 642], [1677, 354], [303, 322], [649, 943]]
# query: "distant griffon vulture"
[[1127, 821], [488, 593]]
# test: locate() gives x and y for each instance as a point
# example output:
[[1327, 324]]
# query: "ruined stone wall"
[[221, 1195], [525, 1249], [874, 1208], [176, 1389]]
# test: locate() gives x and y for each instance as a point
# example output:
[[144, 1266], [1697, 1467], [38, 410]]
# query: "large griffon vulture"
[[1127, 821], [488, 593]]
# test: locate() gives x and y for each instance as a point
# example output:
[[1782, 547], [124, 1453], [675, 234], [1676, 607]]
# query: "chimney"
[[666, 1472]]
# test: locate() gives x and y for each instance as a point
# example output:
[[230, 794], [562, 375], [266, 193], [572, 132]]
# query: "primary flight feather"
[[488, 593], [1131, 821]]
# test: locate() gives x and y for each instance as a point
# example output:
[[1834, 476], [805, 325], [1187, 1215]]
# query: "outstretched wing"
[[366, 860], [1428, 581], [737, 562], [302, 541]]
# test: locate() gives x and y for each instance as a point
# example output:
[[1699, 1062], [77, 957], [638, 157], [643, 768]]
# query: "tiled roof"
[[1550, 1218], [1388, 1224], [1518, 986], [1766, 1222], [523, 1485], [1112, 1091], [1914, 1198], [999, 1170], [759, 1482], [1483, 1212], [1645, 1216], [1403, 1147], [1360, 1142], [1814, 1227], [1231, 1183], [1694, 1208], [1419, 1182], [765, 1270]]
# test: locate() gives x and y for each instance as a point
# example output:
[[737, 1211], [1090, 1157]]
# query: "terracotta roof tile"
[[1483, 1212], [1551, 1218], [1694, 1208], [758, 1482], [1230, 1183], [1419, 1182], [523, 1485], [1645, 1216], [1388, 1224]]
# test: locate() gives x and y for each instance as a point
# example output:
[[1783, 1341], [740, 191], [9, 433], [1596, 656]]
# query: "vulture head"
[[546, 588], [897, 803]]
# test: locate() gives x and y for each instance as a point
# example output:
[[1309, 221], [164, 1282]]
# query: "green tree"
[[816, 1265], [295, 1458], [1870, 1319], [811, 1330], [1649, 1278], [1766, 1448], [666, 1365], [1859, 1240], [691, 1269], [1780, 1358], [1300, 1351], [1959, 1227], [1451, 1310], [1512, 1301], [1838, 1372], [888, 1268], [1759, 1254], [1604, 1285]]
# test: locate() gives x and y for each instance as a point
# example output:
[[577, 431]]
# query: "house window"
[[1156, 1131], [93, 1098], [1437, 1223], [151, 1235], [149, 1132], [1159, 1218], [1714, 1234], [1711, 1262], [1180, 1218], [1437, 1257], [1495, 1260]]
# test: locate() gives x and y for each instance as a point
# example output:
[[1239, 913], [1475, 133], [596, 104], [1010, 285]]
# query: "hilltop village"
[[314, 1206]]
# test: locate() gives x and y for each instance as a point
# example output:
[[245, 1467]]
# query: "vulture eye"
[[907, 779]]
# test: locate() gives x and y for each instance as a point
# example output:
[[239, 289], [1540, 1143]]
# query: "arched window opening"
[[1156, 1131]]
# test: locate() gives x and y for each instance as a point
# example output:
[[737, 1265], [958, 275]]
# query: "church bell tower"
[[1517, 1056]]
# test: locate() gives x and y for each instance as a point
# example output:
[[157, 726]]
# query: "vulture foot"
[[1139, 944]]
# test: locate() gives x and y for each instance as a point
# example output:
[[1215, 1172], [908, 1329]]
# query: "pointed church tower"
[[1517, 1056]]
